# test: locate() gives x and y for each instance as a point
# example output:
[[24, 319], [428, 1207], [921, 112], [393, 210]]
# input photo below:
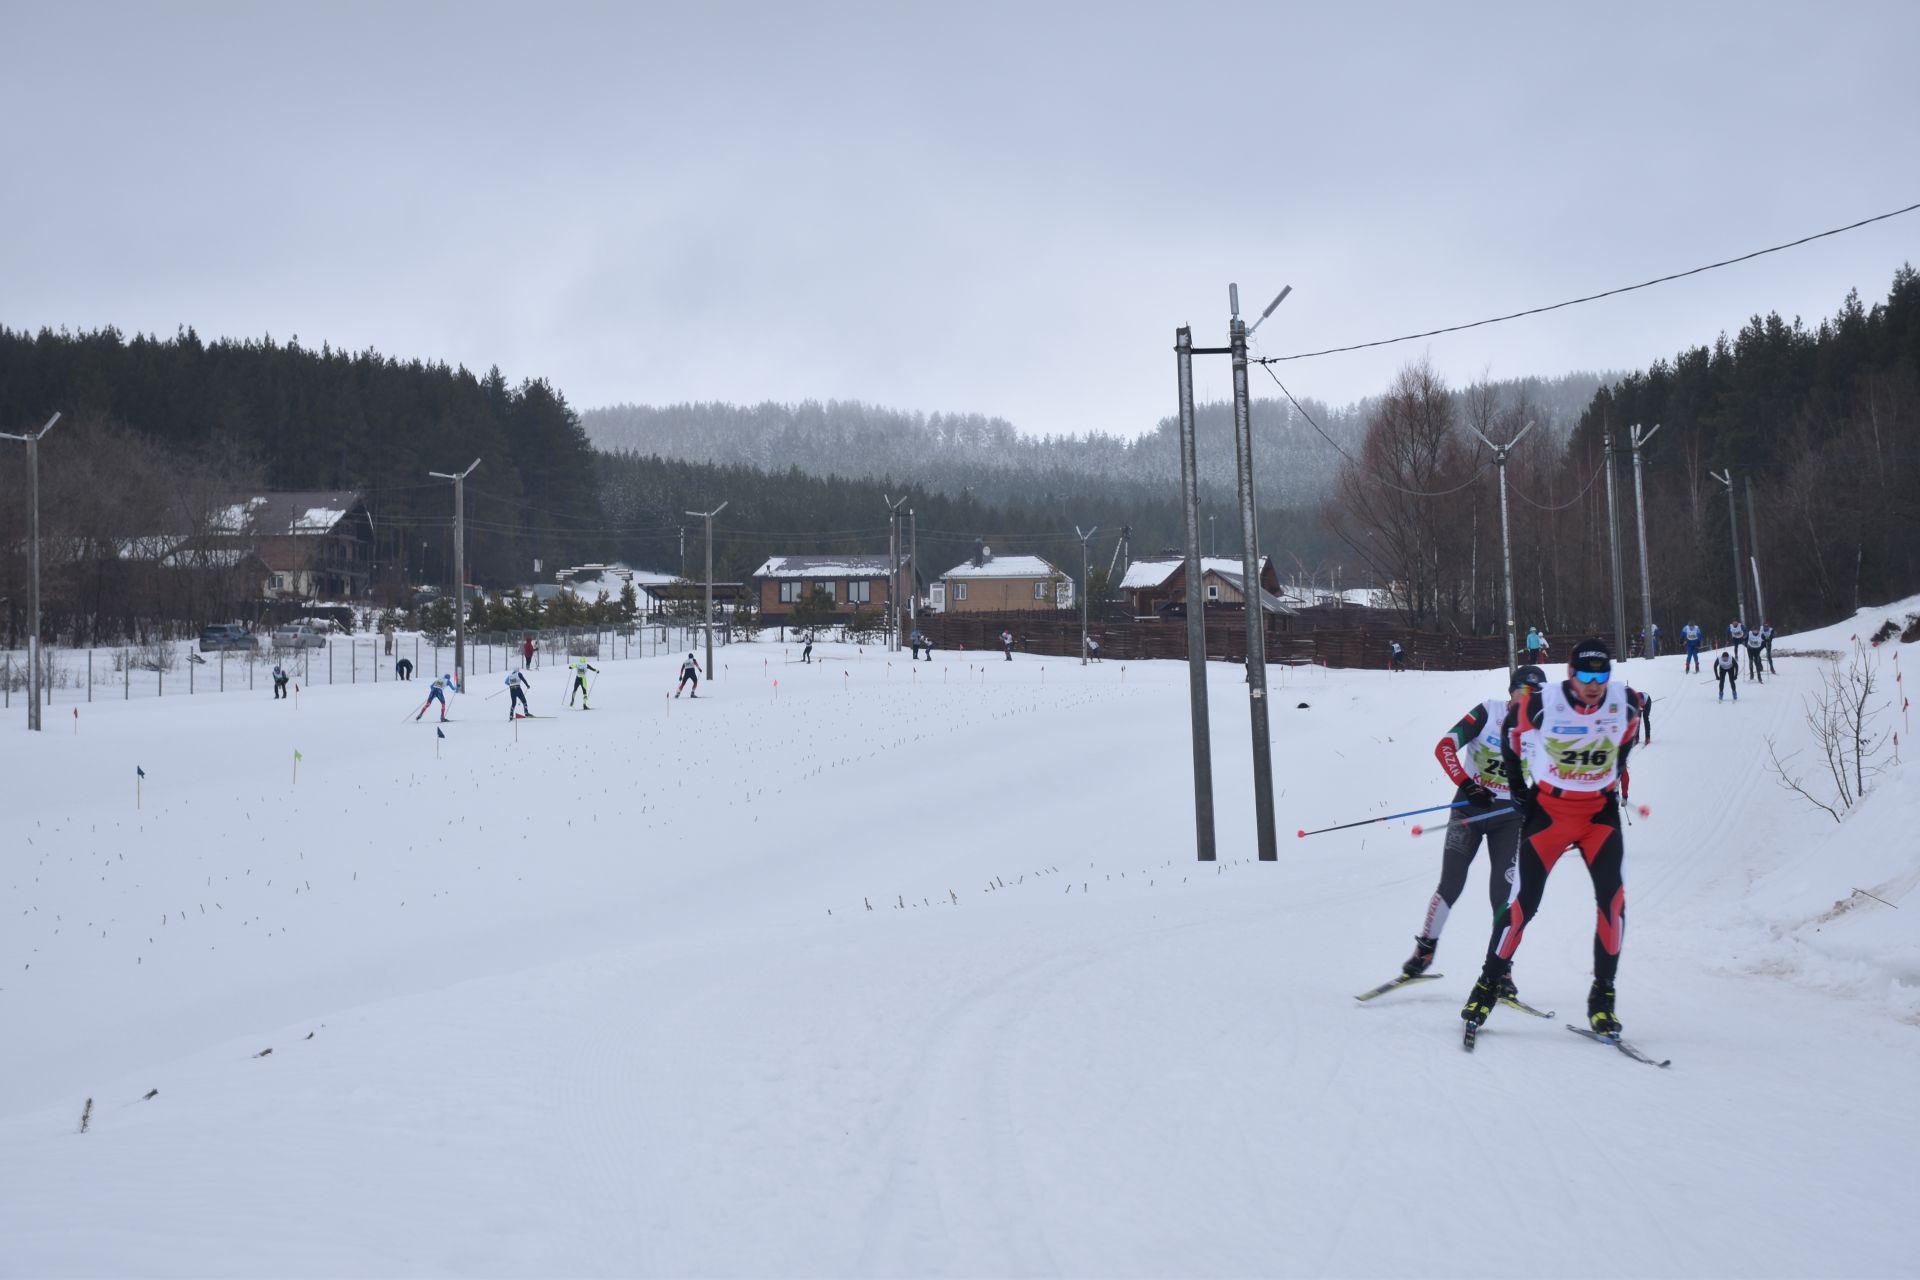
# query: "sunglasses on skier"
[[1591, 677]]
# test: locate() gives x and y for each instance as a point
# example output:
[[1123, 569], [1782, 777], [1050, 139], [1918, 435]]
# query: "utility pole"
[[1613, 538], [1083, 589], [913, 570], [459, 571], [1753, 553], [1733, 531], [33, 570], [1640, 508], [1250, 579], [1500, 452], [1120, 553], [1213, 537], [893, 583], [708, 517], [1196, 606]]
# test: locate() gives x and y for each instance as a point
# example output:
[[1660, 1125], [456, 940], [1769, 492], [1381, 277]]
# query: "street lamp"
[[459, 570], [33, 606]]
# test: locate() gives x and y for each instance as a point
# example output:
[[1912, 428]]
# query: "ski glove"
[[1478, 795]]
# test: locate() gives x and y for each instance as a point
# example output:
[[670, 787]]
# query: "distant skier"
[[1397, 660], [1565, 750], [918, 641], [437, 692], [1754, 644], [1736, 633], [403, 669], [1691, 635], [806, 652], [1726, 669], [1766, 645], [1093, 650], [517, 696], [279, 681], [1534, 645], [1006, 644], [1482, 784], [580, 668], [1653, 640], [526, 653], [690, 670]]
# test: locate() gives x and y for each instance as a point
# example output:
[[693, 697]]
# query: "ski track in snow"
[[678, 988]]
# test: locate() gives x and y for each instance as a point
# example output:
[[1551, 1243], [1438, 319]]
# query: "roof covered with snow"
[[1003, 567], [289, 513], [839, 566], [1142, 574]]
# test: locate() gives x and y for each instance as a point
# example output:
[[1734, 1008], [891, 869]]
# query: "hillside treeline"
[[291, 417], [1820, 423]]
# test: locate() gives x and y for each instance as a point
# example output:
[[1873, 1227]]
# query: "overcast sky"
[[1003, 209]]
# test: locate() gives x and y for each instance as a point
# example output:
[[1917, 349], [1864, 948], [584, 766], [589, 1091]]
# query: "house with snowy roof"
[[1159, 585], [852, 582], [315, 544], [1001, 584]]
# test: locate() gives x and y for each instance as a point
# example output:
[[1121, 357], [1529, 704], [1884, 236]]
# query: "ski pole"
[[1384, 818], [1419, 830]]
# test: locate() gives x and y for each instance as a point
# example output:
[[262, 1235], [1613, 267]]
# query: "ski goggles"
[[1592, 677]]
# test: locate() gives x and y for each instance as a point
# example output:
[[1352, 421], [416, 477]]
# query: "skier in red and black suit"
[[1472, 755], [1573, 738]]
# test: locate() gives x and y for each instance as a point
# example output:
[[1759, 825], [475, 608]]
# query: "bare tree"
[[1843, 716]]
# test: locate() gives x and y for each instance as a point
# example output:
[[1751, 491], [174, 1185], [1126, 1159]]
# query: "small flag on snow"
[[297, 755], [438, 732], [142, 772]]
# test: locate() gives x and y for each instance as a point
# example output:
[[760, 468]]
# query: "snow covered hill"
[[901, 968]]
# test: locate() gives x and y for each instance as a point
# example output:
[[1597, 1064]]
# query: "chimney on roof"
[[981, 552]]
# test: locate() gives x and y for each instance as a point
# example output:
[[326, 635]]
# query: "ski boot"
[[1600, 1009], [1422, 958], [1481, 999], [1507, 991]]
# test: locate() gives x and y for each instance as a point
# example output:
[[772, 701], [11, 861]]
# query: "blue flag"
[[142, 772], [438, 732]]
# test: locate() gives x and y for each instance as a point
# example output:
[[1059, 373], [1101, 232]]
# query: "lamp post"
[[459, 570], [1500, 452], [708, 517], [33, 540], [1084, 593]]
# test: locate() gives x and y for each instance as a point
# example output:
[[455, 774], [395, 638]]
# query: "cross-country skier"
[[517, 696], [403, 669], [279, 681], [1397, 661], [526, 653], [1482, 779], [1766, 646], [690, 670], [1006, 644], [1566, 749], [806, 653], [1093, 650], [1533, 645], [1643, 706], [1754, 644], [437, 692], [1736, 633], [1726, 669], [1691, 634], [580, 668]]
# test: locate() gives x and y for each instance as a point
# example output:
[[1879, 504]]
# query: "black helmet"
[[1591, 656], [1527, 677]]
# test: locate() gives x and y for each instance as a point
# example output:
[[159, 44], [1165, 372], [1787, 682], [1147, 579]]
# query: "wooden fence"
[[1057, 633]]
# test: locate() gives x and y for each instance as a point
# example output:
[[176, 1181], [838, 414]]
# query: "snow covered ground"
[[908, 969]]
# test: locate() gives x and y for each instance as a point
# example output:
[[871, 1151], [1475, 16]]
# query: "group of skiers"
[[516, 686], [1538, 772]]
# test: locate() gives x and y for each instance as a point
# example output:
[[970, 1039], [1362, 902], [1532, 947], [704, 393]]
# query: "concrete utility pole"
[[459, 571], [1613, 538], [1196, 606], [1733, 531], [893, 583], [708, 517], [1640, 509], [913, 569], [33, 560], [1753, 554], [1120, 554], [1500, 452], [1250, 577], [1083, 589]]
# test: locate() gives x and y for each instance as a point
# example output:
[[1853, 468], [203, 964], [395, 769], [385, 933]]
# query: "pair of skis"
[[1470, 1036]]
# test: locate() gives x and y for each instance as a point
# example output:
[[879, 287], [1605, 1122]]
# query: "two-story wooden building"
[[851, 582], [1151, 587], [999, 584]]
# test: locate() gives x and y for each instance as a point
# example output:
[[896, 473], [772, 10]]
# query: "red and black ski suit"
[[1546, 730]]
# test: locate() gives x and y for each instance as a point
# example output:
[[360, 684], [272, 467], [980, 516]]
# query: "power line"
[[1594, 297], [1570, 501], [1417, 493]]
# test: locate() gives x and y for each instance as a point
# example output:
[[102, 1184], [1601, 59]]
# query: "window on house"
[[959, 591], [827, 588], [1213, 591], [1039, 591], [790, 592], [859, 592]]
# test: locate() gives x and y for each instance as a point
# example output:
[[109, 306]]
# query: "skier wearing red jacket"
[[1572, 739]]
